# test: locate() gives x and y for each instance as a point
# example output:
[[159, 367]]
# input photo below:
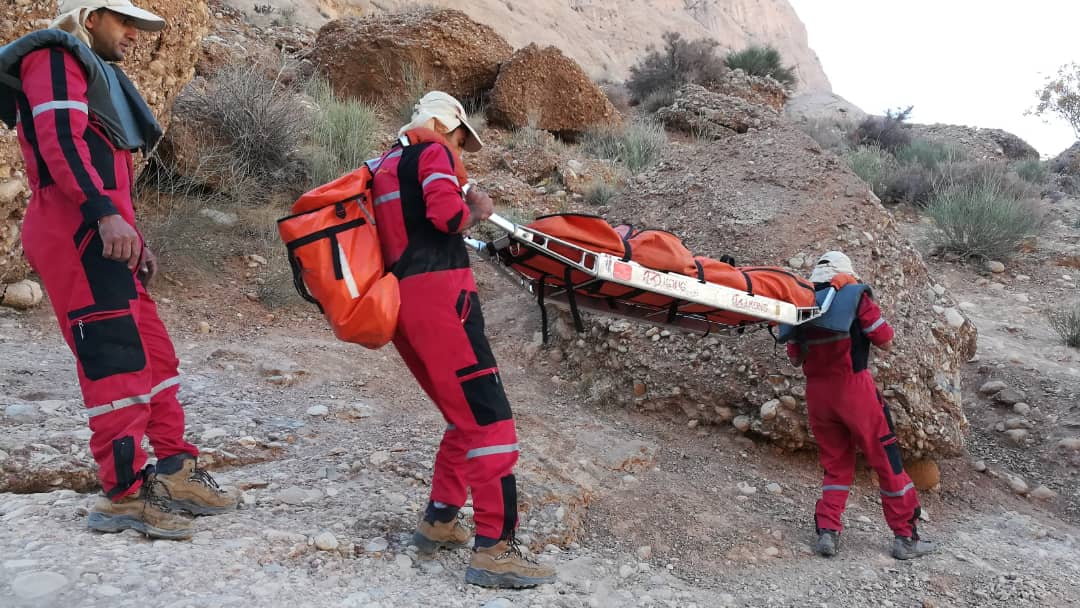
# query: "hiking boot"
[[193, 490], [432, 536], [503, 565], [146, 511], [910, 548], [828, 543]]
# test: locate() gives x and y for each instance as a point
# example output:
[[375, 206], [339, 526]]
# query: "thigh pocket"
[[107, 343], [472, 321], [112, 284], [486, 398]]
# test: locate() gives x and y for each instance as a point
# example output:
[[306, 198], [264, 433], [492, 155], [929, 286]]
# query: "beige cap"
[[144, 20], [830, 264], [448, 111]]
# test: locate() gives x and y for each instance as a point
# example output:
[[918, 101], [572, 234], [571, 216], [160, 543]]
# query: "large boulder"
[[544, 89], [160, 65], [384, 57], [700, 111], [773, 198]]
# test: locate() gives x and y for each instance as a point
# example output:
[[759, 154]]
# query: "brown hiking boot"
[[431, 536], [504, 565], [193, 490], [147, 511]]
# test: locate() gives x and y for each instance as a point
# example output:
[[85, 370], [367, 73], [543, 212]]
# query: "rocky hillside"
[[605, 36], [161, 65]]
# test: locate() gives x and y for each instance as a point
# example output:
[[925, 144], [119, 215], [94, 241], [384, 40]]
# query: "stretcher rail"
[[686, 291]]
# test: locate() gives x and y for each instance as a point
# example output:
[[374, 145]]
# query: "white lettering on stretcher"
[[745, 303]]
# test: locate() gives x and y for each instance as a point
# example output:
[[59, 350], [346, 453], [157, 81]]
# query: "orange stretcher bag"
[[333, 248], [768, 281]]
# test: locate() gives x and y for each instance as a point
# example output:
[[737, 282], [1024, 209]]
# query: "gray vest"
[[839, 316], [120, 109]]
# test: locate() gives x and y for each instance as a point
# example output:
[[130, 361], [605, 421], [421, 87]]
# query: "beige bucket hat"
[[444, 108]]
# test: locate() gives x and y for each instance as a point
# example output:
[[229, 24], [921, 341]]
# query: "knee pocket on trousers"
[[487, 399], [895, 462], [108, 343]]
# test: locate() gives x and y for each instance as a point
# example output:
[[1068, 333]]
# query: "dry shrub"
[[678, 63], [250, 126], [886, 132]]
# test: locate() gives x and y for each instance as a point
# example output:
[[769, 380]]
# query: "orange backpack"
[[336, 261]]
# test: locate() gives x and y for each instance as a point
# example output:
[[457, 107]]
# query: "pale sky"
[[966, 62]]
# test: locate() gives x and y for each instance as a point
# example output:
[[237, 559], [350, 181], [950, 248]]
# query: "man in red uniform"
[[846, 411], [421, 211], [79, 118]]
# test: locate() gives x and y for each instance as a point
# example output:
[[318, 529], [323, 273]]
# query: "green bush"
[[875, 166], [678, 63], [1032, 171], [762, 61], [927, 153], [636, 146], [1066, 324], [344, 134], [981, 217], [600, 193], [979, 172]]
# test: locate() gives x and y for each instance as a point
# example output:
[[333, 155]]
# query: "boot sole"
[[426, 545], [907, 556], [505, 580], [198, 509], [111, 524]]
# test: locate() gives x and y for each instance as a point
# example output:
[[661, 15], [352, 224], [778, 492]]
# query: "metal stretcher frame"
[[604, 267]]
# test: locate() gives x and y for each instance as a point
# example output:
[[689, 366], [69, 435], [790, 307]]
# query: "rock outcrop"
[[772, 198], [605, 36], [978, 144], [702, 112], [822, 105], [1068, 162], [545, 89], [388, 57], [160, 65]]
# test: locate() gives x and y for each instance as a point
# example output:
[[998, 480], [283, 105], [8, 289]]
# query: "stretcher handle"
[[502, 222], [499, 221]]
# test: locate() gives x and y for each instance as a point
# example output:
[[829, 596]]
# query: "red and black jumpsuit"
[[420, 212], [846, 413], [126, 362]]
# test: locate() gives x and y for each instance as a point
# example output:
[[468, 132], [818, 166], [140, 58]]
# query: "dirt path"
[[632, 509]]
